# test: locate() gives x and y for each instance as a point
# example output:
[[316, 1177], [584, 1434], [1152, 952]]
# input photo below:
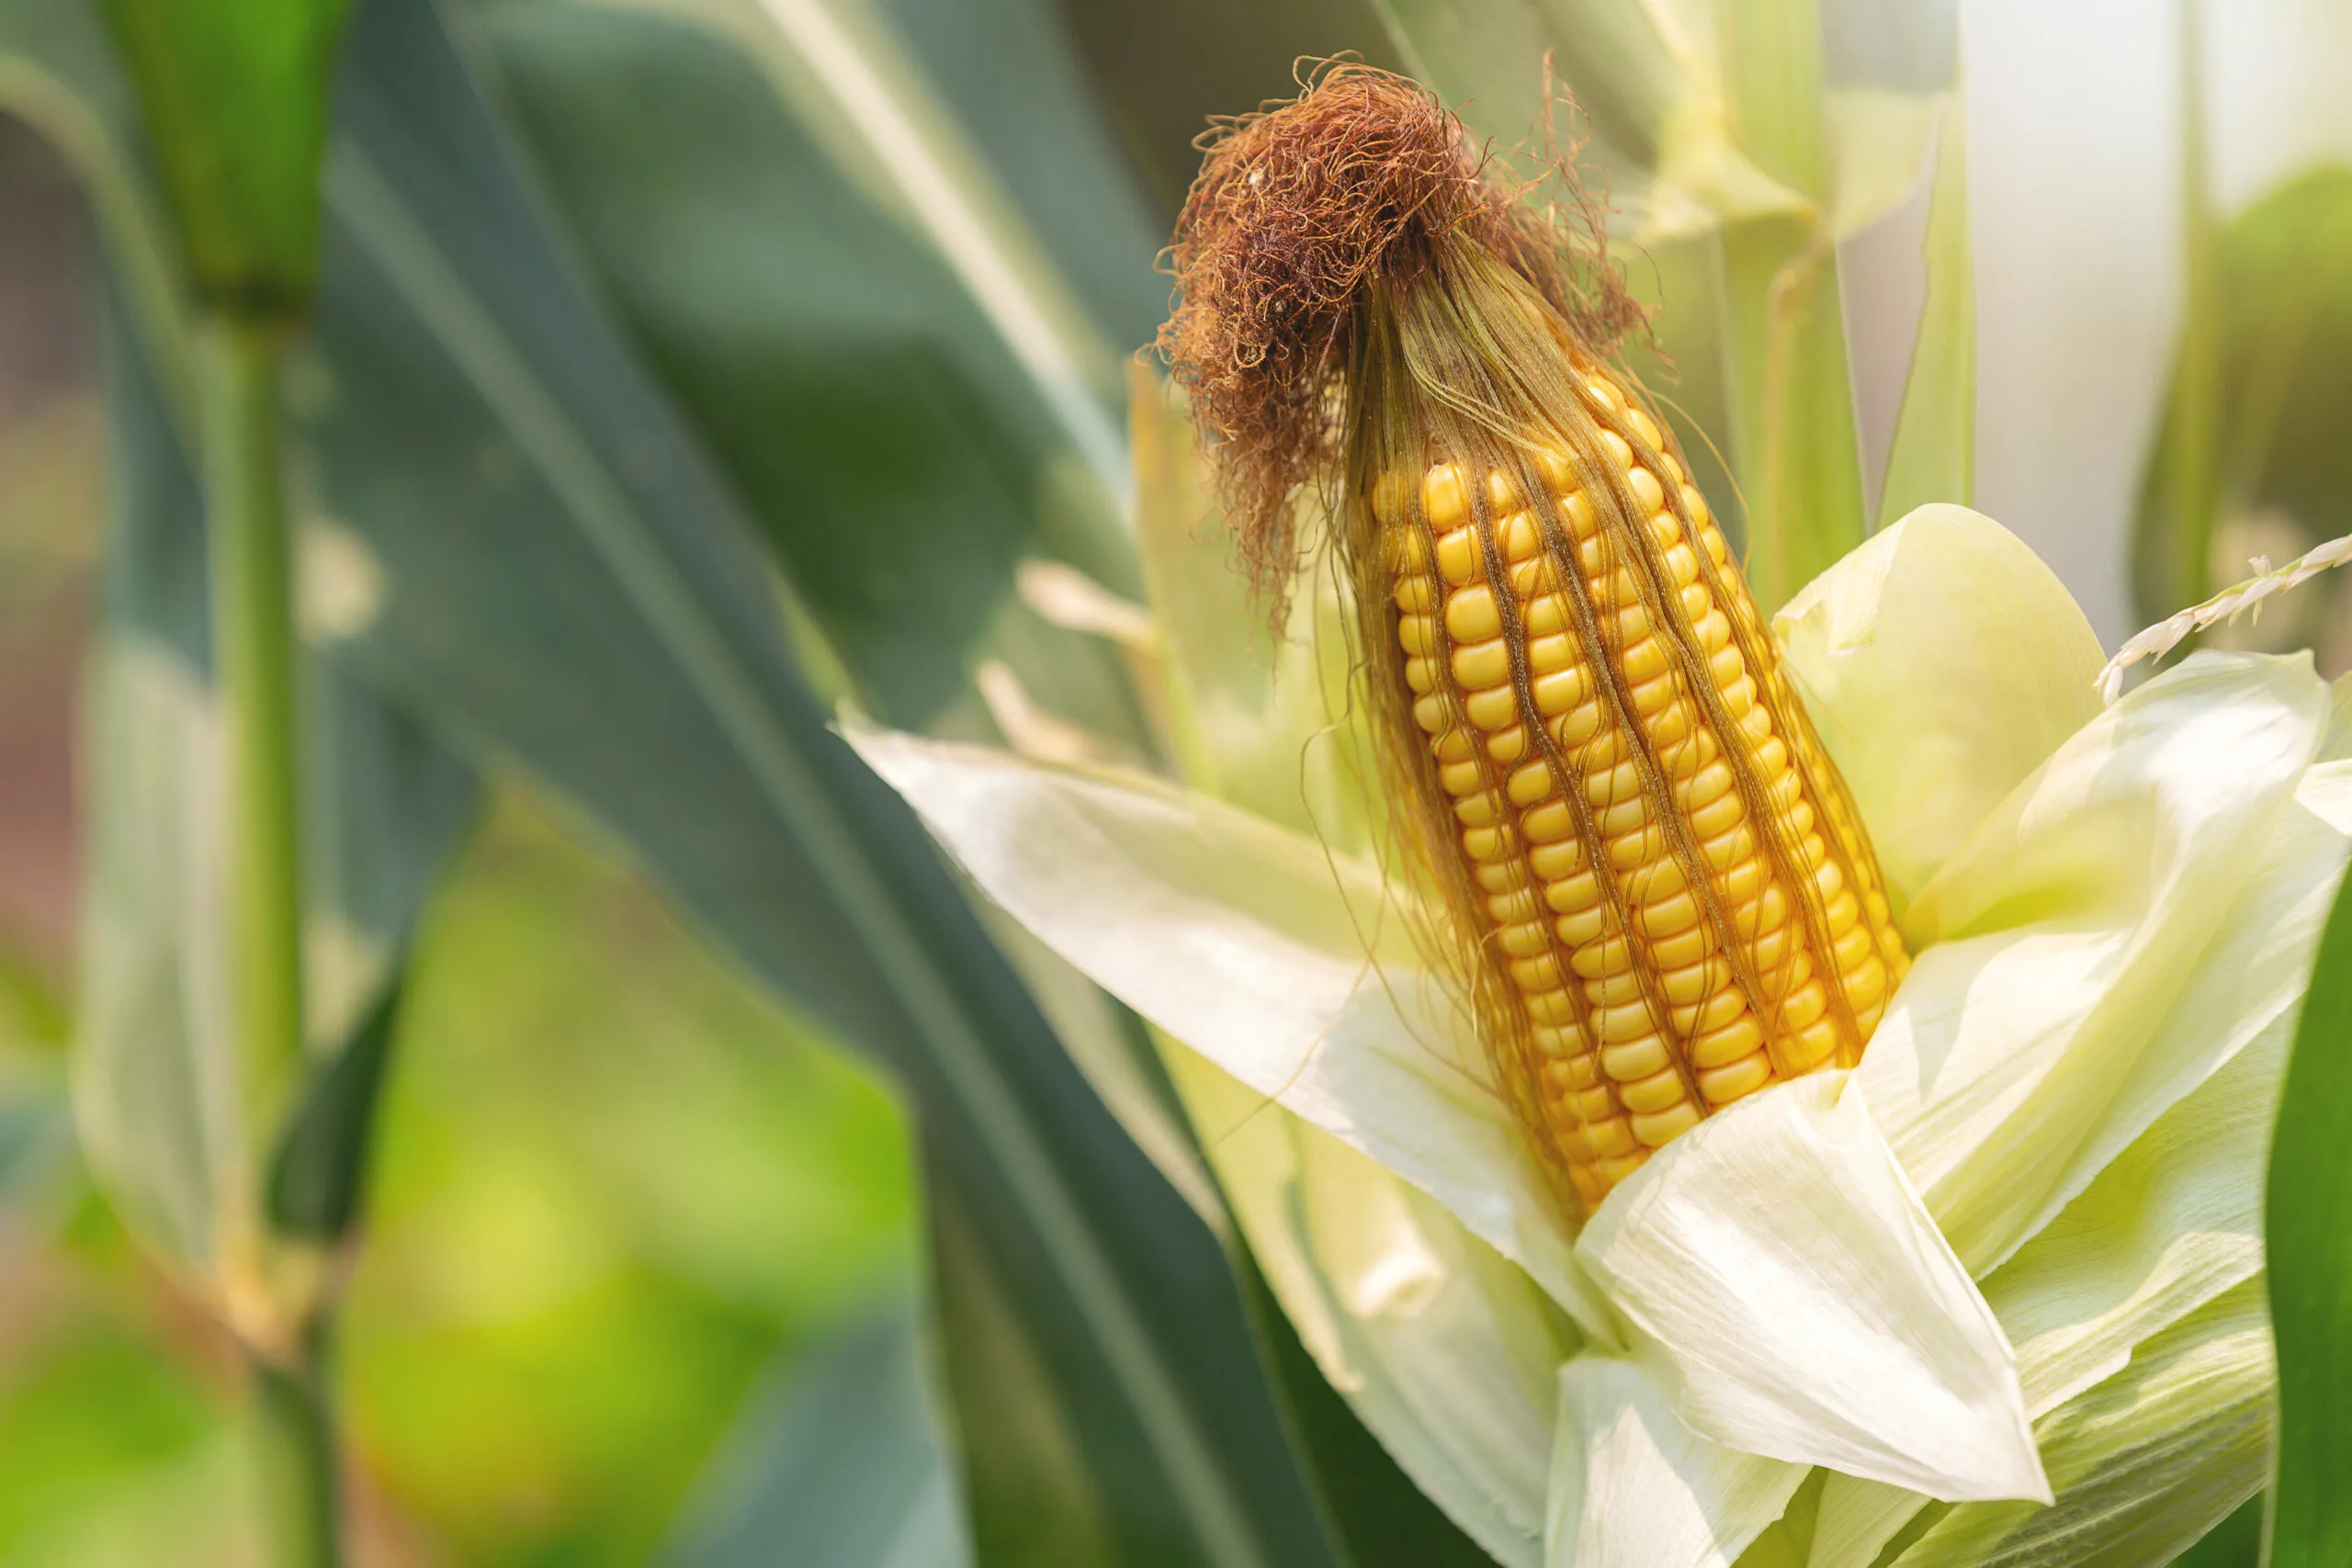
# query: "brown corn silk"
[[1659, 896]]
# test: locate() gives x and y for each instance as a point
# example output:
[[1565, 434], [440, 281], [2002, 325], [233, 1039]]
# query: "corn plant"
[[720, 413]]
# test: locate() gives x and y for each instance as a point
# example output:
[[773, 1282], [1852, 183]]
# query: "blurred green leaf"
[[235, 99], [154, 1074], [837, 1457], [1934, 454], [2281, 472], [894, 312], [558, 581], [2309, 1252]]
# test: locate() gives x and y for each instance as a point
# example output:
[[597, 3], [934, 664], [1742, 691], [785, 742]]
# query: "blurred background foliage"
[[678, 367]]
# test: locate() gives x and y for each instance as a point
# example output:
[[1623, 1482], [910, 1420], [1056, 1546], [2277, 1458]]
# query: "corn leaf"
[[1934, 454], [895, 314], [384, 802], [560, 583], [837, 1455], [2311, 1268], [156, 1081], [235, 94], [2279, 480]]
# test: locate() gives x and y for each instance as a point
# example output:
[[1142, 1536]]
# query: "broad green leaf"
[[2311, 1263], [825, 260], [234, 97], [838, 1457], [559, 582]]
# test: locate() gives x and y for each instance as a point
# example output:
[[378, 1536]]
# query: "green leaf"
[[558, 581], [893, 313], [235, 93], [156, 1081], [837, 1456], [2310, 1254], [2279, 478], [2235, 1542], [1934, 454]]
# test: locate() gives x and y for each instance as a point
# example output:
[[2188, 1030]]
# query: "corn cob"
[[1734, 931], [1662, 898]]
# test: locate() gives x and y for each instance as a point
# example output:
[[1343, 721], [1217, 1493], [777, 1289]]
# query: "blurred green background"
[[626, 1204]]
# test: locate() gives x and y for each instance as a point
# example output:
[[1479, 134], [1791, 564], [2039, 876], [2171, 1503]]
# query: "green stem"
[[249, 552], [294, 1435], [253, 640]]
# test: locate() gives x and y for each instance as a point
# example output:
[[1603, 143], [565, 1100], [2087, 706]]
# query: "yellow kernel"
[[1430, 714], [1492, 709], [1709, 784], [1547, 613], [1453, 746], [1607, 956], [1608, 1138], [1559, 690], [1714, 1013], [1614, 444], [1653, 1094], [1554, 862], [1808, 1048], [1636, 1059], [1646, 428], [1546, 654], [1615, 1170], [1502, 877], [1584, 926], [1420, 675], [1720, 817], [1444, 497], [1460, 778], [1514, 906], [1471, 615], [1803, 1007], [1547, 824], [1415, 594], [1678, 913], [1482, 664], [1552, 1007], [1629, 1020], [1536, 973], [1416, 634], [1648, 493], [1481, 810], [1682, 948], [1719, 1047], [1529, 783], [1737, 1082], [1508, 745], [1519, 537], [1459, 560], [1565, 1042], [1488, 843], [1666, 1125], [1645, 660]]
